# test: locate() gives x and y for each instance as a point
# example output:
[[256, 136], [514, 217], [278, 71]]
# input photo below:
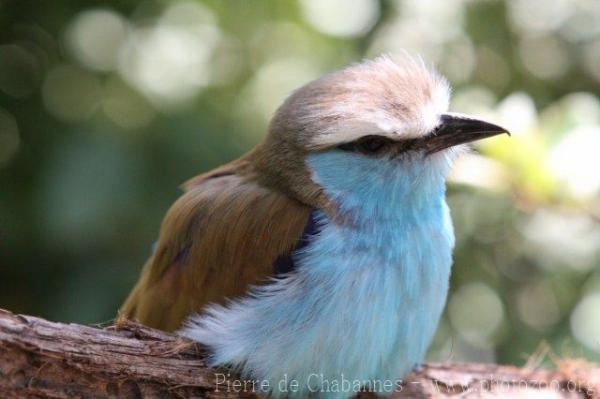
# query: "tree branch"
[[39, 358]]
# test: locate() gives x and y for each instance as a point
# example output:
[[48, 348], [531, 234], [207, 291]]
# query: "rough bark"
[[42, 359]]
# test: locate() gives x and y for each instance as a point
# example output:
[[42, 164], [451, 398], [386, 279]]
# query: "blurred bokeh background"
[[106, 107]]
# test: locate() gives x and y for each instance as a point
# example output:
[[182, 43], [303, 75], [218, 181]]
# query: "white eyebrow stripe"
[[345, 131], [350, 132]]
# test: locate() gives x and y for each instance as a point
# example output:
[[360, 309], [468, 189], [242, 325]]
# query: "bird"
[[324, 253]]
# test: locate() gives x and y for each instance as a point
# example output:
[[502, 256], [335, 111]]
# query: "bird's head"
[[367, 135]]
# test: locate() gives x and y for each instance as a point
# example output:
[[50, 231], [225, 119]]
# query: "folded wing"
[[221, 236]]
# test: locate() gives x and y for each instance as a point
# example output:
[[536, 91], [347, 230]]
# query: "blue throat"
[[362, 298]]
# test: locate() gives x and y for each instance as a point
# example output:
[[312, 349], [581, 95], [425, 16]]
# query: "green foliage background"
[[106, 107]]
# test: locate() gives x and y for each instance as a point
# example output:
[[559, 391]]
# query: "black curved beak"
[[456, 129]]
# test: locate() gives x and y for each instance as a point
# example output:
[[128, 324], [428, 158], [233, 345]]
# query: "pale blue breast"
[[387, 269], [381, 292]]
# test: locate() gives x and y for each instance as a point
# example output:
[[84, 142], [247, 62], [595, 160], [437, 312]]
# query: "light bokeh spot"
[[95, 36], [560, 238], [538, 15], [537, 306], [170, 62], [476, 312], [276, 79], [585, 321], [71, 94], [479, 171], [340, 18], [575, 162], [544, 56], [518, 113]]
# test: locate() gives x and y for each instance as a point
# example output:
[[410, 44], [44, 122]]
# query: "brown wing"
[[222, 235]]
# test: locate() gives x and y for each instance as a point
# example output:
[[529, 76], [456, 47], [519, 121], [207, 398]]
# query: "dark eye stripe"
[[367, 144]]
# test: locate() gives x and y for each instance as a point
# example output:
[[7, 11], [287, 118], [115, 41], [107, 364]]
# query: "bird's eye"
[[367, 145]]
